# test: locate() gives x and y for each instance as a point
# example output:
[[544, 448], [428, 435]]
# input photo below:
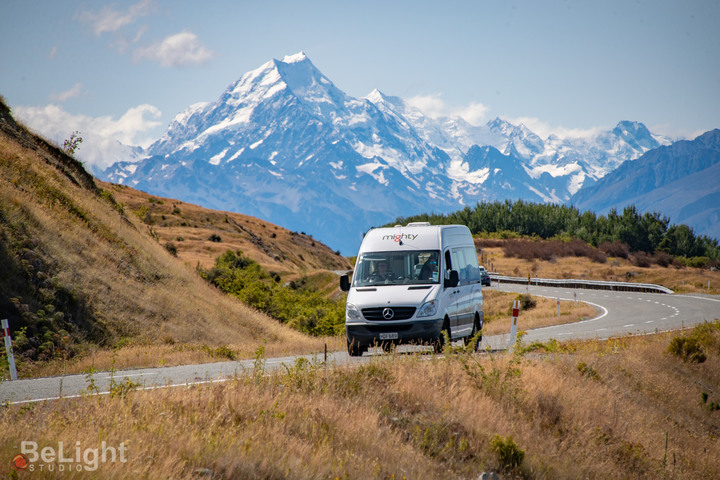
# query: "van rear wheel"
[[477, 327]]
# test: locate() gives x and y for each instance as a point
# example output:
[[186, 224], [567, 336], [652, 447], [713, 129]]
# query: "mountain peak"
[[376, 96], [295, 58], [635, 129]]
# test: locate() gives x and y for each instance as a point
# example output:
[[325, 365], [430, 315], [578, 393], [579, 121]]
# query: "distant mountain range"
[[285, 144], [681, 181]]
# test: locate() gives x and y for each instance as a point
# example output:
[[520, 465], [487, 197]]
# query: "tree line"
[[646, 232]]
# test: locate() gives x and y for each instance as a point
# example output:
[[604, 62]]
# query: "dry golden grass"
[[598, 410], [136, 355], [190, 227], [680, 280], [497, 309]]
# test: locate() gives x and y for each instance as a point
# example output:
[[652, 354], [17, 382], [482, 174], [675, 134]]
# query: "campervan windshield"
[[417, 267]]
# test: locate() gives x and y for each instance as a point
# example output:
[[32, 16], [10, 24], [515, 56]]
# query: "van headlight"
[[428, 309], [352, 313]]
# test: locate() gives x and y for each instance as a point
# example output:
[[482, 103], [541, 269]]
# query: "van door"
[[451, 295], [464, 260]]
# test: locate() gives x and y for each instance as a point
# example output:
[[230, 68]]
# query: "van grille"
[[398, 313]]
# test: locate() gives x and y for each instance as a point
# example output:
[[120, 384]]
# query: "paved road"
[[619, 313]]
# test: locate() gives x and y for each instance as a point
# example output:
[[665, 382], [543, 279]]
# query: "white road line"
[[123, 375]]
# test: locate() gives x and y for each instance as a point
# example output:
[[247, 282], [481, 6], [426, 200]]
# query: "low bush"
[[172, 248], [615, 249], [526, 302], [688, 349], [547, 250], [509, 454], [695, 346], [306, 310]]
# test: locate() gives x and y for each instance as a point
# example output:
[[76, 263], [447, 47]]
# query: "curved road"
[[619, 313]]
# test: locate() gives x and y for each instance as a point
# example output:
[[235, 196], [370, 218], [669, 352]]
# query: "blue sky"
[[120, 71]]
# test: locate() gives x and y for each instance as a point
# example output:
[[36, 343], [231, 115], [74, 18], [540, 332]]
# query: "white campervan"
[[412, 283]]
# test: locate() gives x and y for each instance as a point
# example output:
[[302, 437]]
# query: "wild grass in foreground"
[[623, 408]]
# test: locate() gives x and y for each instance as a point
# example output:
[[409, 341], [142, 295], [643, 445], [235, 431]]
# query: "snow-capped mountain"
[[285, 144]]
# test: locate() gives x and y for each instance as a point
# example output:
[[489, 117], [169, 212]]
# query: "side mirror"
[[344, 283], [452, 280]]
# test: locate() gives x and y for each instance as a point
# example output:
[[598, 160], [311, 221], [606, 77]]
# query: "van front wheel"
[[439, 342]]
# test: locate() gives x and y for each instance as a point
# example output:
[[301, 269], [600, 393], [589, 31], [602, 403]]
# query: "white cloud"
[[434, 107], [106, 140], [473, 113], [52, 53], [75, 91], [179, 50], [110, 20]]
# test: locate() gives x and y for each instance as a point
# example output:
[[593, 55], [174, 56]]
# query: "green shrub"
[[688, 349], [509, 454], [172, 248], [304, 309], [695, 346], [698, 262], [220, 352], [526, 302]]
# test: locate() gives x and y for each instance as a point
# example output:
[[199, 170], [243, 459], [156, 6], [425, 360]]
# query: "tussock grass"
[[409, 416]]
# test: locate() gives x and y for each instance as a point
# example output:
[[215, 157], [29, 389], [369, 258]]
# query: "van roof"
[[415, 236]]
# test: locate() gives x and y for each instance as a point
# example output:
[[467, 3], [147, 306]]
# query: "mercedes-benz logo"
[[388, 314]]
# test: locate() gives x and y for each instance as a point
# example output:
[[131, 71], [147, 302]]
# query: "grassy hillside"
[[198, 235], [81, 270]]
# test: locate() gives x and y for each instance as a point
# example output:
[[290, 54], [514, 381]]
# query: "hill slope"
[[79, 269]]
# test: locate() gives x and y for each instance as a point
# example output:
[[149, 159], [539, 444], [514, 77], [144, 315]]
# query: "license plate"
[[389, 336]]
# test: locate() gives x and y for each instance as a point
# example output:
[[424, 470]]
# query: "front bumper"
[[415, 331]]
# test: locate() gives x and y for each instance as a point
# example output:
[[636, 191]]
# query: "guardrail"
[[575, 283]]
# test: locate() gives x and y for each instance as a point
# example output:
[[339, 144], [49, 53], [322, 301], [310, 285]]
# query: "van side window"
[[458, 263], [472, 268], [464, 260]]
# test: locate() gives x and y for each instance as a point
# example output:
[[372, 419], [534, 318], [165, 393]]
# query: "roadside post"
[[575, 297], [513, 326], [558, 306], [8, 348]]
